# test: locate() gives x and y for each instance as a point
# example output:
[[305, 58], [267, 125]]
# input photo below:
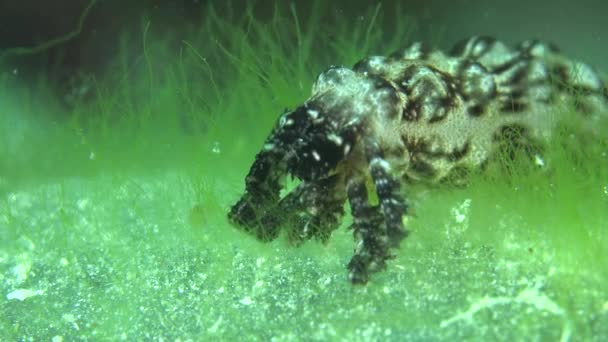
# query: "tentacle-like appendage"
[[257, 212], [313, 210], [371, 249], [391, 200]]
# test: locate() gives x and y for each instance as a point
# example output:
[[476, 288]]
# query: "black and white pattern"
[[418, 115]]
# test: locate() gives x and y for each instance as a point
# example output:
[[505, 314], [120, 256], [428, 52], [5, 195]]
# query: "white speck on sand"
[[460, 214], [23, 294], [246, 301]]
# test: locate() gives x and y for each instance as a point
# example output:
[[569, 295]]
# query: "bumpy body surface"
[[414, 116]]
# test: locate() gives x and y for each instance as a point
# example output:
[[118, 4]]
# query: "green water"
[[112, 210]]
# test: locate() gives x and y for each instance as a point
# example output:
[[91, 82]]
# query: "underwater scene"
[[303, 170]]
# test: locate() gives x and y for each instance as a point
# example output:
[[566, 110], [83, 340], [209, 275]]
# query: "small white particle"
[[246, 301], [539, 160], [316, 155], [352, 122], [23, 294], [460, 217], [359, 246], [284, 121], [216, 148], [305, 230], [460, 212], [336, 139], [478, 49], [346, 149], [376, 61], [268, 147], [313, 113]]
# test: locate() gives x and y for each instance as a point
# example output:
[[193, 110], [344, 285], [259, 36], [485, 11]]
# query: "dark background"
[[578, 27]]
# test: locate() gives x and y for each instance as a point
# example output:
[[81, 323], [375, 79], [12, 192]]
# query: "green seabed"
[[112, 217]]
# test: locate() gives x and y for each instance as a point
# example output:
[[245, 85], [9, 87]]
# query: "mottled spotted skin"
[[414, 116]]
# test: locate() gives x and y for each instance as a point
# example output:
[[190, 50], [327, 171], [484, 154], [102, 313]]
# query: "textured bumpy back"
[[416, 115], [458, 106]]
